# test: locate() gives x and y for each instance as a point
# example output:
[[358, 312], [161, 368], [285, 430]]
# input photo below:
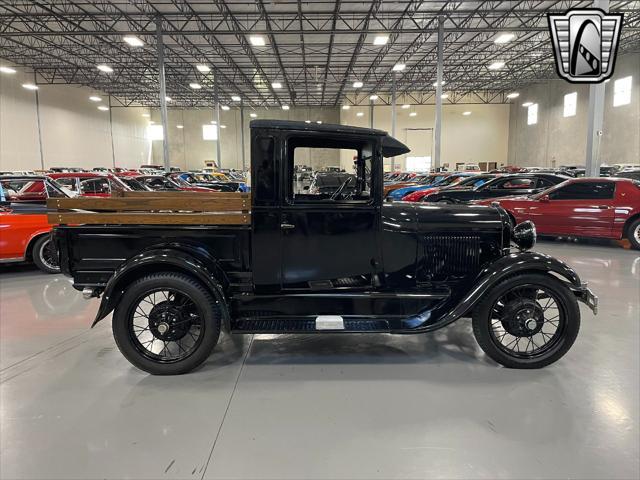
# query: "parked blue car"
[[439, 181]]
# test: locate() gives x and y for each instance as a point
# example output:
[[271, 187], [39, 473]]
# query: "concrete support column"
[[216, 99], [393, 114], [595, 118], [438, 121], [163, 96]]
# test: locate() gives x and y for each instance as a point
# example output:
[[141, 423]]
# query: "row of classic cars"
[[23, 212], [604, 207]]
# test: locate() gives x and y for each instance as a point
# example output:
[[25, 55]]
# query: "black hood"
[[438, 218]]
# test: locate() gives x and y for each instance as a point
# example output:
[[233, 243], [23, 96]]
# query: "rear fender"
[[509, 265], [176, 258]]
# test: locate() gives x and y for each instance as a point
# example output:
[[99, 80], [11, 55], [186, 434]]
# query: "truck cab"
[[321, 261]]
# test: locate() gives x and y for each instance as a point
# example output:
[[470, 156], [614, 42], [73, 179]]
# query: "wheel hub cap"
[[523, 318], [167, 322]]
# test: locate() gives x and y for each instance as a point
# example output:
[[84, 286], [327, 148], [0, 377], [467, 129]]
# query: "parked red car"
[[89, 184], [582, 207], [24, 229]]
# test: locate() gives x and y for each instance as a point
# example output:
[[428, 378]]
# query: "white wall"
[[479, 137], [557, 140], [73, 131], [188, 150]]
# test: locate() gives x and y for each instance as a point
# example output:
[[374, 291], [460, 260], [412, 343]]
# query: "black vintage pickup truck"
[[325, 262]]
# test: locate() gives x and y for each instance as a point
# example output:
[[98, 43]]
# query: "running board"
[[319, 324]]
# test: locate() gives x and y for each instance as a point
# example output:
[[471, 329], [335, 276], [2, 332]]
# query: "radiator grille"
[[449, 256]]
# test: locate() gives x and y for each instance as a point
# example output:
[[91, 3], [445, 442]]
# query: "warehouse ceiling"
[[315, 50]]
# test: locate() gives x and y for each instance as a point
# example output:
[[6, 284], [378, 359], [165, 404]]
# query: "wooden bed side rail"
[[154, 208], [201, 203], [145, 218]]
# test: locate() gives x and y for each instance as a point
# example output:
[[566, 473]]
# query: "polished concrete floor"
[[344, 406]]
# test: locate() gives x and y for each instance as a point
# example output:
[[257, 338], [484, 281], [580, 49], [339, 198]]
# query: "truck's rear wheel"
[[167, 323], [45, 255], [527, 321]]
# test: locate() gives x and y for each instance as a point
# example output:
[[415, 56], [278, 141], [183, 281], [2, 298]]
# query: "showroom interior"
[[132, 150]]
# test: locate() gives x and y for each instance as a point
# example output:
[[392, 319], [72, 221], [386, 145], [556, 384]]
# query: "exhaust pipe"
[[88, 293]]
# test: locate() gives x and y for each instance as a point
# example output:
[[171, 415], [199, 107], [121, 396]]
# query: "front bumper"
[[586, 296]]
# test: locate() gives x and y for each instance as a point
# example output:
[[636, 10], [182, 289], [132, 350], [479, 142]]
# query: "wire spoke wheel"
[[49, 255], [165, 325], [527, 321]]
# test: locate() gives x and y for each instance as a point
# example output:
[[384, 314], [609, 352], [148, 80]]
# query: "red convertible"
[[89, 184], [581, 207], [24, 229]]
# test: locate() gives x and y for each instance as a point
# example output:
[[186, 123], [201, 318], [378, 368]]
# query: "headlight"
[[524, 235]]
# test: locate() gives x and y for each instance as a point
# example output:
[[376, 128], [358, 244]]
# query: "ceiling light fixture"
[[276, 85], [307, 121], [496, 65], [146, 115], [527, 104], [195, 86], [105, 68], [7, 70], [253, 115], [202, 68], [95, 98], [413, 114], [235, 98], [406, 105], [103, 108], [257, 40], [513, 95], [360, 114], [346, 107], [285, 107], [466, 114], [373, 97], [435, 84], [167, 99], [398, 67], [357, 84], [29, 86], [179, 126], [380, 39], [133, 41], [319, 122], [444, 95], [224, 107], [223, 126], [504, 38]]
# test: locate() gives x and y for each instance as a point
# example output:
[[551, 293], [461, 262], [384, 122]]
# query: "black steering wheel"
[[338, 192]]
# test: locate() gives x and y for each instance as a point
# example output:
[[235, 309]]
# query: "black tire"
[[204, 313], [561, 340], [633, 234], [45, 255]]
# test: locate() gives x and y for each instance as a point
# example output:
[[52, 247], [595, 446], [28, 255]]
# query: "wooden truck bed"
[[153, 208]]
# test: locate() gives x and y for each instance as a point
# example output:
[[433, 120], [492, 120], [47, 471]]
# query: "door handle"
[[287, 226], [603, 207]]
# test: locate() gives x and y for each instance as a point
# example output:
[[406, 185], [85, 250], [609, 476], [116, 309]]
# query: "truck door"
[[329, 228]]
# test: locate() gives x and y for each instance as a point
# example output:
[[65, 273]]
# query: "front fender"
[[157, 260], [492, 274]]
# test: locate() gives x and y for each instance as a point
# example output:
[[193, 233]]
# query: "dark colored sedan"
[[507, 185]]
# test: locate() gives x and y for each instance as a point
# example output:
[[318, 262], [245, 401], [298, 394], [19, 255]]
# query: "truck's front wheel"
[[527, 321], [167, 323]]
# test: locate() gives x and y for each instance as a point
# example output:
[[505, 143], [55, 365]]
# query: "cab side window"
[[584, 191], [340, 170]]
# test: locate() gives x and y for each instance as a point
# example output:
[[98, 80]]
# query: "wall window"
[[155, 132], [209, 132], [532, 114], [622, 92], [570, 104]]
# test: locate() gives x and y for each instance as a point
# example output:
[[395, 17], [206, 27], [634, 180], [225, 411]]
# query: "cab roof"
[[390, 146]]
